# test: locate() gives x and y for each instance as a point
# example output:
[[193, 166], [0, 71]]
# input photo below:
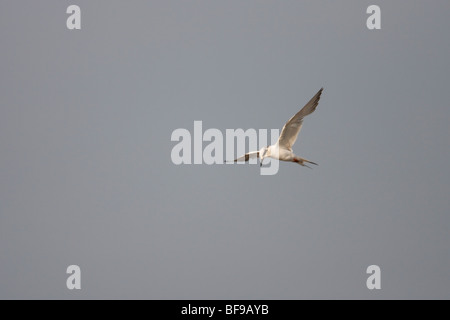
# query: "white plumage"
[[282, 150]]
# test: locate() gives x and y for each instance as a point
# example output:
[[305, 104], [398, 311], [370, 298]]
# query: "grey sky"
[[86, 176]]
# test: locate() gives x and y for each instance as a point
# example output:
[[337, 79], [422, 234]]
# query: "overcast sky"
[[86, 175]]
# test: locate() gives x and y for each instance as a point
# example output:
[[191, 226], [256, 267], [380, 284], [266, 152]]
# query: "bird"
[[282, 149]]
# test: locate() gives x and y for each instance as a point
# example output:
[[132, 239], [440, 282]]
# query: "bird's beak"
[[262, 158]]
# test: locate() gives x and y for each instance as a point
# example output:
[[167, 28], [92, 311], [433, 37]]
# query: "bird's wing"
[[291, 129], [247, 156]]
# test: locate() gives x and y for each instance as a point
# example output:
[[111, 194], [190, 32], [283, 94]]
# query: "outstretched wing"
[[291, 129], [247, 156]]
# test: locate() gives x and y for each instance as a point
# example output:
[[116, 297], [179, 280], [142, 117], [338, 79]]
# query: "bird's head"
[[263, 152]]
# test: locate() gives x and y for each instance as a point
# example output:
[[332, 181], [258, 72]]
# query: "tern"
[[282, 150]]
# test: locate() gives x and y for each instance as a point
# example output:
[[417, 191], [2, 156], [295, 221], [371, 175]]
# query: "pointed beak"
[[262, 158]]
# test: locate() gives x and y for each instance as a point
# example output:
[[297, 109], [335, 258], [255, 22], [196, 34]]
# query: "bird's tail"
[[301, 161]]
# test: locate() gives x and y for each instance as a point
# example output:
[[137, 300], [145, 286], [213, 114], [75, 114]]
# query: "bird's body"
[[282, 149]]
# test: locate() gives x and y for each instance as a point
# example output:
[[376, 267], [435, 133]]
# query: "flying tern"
[[282, 150]]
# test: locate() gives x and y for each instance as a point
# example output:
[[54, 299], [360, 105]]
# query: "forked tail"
[[302, 161]]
